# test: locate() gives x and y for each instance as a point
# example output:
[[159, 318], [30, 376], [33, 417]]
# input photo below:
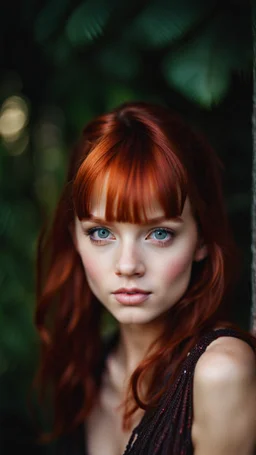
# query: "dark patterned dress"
[[166, 430]]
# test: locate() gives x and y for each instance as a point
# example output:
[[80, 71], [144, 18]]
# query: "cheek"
[[176, 268], [91, 268]]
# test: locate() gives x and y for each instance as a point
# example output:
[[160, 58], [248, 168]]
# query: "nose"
[[129, 261]]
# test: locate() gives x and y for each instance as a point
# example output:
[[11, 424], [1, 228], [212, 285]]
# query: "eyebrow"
[[156, 220]]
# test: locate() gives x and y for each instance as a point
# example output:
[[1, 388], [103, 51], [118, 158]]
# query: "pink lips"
[[132, 296]]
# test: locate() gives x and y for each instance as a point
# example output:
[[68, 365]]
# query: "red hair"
[[145, 151]]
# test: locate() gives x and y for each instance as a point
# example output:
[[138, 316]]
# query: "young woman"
[[141, 232]]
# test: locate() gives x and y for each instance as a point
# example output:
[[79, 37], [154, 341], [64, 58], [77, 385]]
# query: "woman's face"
[[138, 272]]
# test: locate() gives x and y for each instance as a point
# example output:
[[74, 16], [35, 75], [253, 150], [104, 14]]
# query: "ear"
[[201, 251]]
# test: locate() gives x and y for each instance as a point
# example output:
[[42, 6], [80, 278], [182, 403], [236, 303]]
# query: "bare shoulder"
[[226, 359], [225, 398]]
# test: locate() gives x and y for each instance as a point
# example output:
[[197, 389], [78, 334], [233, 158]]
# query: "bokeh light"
[[13, 118]]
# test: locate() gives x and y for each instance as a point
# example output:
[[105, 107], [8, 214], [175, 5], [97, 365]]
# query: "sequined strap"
[[213, 335], [167, 430]]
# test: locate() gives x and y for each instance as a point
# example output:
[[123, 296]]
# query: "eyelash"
[[161, 243]]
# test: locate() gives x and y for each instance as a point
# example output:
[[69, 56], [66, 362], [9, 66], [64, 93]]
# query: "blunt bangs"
[[131, 173]]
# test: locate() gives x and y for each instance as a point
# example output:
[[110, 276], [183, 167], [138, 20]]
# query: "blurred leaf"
[[199, 73], [48, 19], [88, 21], [163, 21], [202, 69]]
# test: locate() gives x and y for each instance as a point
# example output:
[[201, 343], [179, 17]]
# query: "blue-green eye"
[[102, 233], [98, 234], [161, 234]]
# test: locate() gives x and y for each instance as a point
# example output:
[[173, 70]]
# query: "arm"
[[225, 400]]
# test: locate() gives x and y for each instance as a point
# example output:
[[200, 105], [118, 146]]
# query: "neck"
[[134, 343], [132, 348]]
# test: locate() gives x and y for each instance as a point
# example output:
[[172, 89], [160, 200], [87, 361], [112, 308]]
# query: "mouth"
[[131, 291], [132, 296]]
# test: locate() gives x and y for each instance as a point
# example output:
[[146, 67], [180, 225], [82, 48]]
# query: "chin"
[[135, 318]]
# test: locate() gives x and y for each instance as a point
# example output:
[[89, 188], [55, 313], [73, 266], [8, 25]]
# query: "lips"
[[131, 291], [132, 296]]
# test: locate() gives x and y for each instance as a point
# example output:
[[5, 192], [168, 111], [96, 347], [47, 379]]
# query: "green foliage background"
[[66, 61]]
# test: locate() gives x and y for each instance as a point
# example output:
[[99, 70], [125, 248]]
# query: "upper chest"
[[104, 432]]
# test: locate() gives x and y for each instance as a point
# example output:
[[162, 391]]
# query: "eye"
[[99, 234], [161, 236], [102, 233]]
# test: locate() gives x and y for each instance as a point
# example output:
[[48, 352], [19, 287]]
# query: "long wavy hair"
[[146, 151]]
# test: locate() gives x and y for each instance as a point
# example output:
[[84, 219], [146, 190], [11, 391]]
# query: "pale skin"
[[158, 257]]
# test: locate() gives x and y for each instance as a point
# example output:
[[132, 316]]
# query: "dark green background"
[[63, 62]]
